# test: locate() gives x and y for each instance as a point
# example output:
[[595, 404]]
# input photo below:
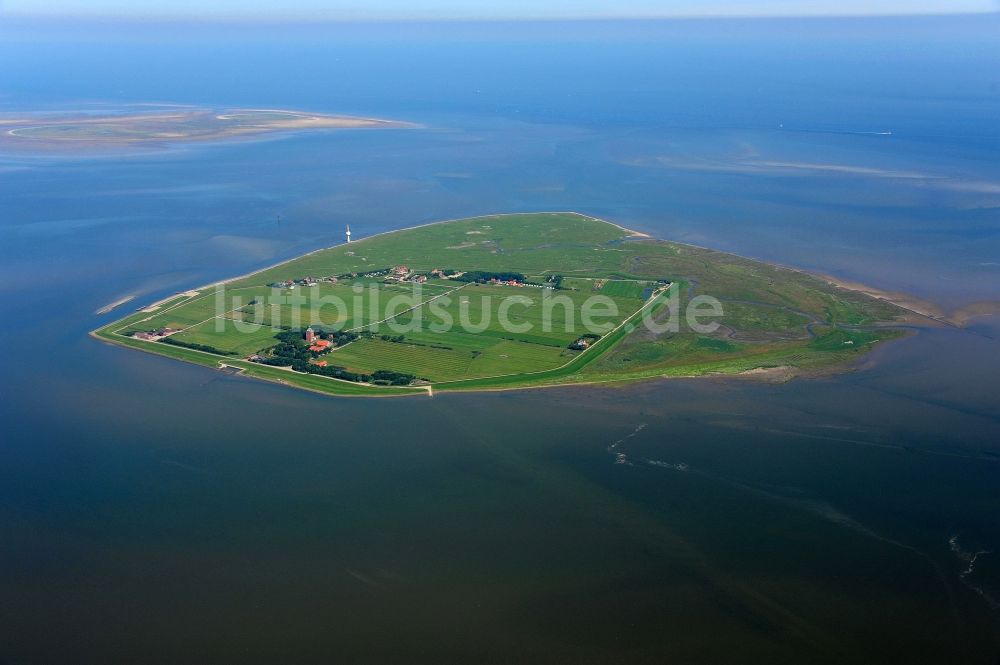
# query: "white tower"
[[348, 233]]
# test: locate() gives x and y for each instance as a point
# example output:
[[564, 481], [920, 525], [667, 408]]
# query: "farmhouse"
[[506, 282], [320, 345], [155, 335]]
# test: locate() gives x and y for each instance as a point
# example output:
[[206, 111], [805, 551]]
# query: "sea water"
[[158, 512]]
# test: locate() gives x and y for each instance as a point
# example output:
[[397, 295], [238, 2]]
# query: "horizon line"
[[261, 19]]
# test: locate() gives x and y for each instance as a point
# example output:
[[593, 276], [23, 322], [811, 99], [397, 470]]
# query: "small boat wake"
[[679, 466], [969, 558], [622, 458], [843, 132], [821, 509], [639, 428]]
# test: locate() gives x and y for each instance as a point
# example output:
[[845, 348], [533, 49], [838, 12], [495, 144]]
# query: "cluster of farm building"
[[403, 273], [155, 335], [400, 273]]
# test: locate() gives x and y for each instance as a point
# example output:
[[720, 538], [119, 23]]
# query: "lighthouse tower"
[[348, 233]]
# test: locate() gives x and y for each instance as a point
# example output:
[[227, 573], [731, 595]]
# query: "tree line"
[[293, 351]]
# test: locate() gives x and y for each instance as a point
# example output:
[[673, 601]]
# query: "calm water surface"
[[156, 512]]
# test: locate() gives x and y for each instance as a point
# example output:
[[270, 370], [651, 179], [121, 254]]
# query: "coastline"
[[923, 308], [216, 283], [764, 373], [182, 129]]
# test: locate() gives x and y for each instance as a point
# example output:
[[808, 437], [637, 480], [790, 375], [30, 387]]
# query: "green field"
[[223, 335], [459, 335], [437, 364]]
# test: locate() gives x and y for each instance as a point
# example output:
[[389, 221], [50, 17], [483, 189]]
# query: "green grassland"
[[437, 364], [772, 316], [222, 334]]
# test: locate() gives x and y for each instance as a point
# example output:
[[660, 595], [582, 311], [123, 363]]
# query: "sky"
[[479, 9]]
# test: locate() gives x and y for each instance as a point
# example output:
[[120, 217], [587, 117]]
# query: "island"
[[513, 301], [153, 126]]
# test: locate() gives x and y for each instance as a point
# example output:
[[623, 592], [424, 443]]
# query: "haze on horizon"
[[479, 9]]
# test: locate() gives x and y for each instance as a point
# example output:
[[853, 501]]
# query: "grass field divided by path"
[[771, 319]]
